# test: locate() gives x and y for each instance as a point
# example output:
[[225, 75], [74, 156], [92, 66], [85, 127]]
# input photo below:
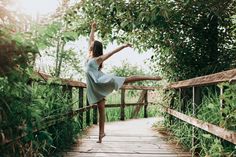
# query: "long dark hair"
[[97, 50]]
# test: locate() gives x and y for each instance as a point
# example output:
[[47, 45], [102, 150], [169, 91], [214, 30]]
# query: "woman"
[[99, 85]]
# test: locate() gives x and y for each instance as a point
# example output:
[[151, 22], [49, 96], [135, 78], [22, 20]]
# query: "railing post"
[[81, 100], [67, 91], [170, 106], [193, 112], [146, 104], [222, 106], [222, 102], [95, 115], [196, 101], [122, 107], [87, 113]]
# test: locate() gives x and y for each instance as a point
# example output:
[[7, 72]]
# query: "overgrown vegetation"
[[209, 110], [189, 38]]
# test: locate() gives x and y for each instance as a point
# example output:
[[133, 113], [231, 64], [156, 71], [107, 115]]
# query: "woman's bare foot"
[[100, 137]]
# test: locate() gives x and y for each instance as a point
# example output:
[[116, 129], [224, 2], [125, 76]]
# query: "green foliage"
[[16, 52], [126, 70], [52, 40], [27, 108], [209, 111], [113, 114], [190, 38]]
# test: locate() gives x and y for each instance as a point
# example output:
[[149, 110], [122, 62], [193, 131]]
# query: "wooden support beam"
[[122, 106], [132, 87], [87, 114], [141, 100], [126, 104], [224, 76], [145, 104], [193, 112], [81, 100], [60, 81], [223, 133]]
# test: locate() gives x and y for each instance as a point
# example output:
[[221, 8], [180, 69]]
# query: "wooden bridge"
[[134, 137]]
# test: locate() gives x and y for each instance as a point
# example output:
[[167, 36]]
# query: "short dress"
[[99, 85]]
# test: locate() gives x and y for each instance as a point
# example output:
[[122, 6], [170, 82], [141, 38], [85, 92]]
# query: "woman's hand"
[[94, 25]]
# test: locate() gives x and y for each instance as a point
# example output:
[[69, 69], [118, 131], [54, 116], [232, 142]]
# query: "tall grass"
[[113, 114], [210, 111]]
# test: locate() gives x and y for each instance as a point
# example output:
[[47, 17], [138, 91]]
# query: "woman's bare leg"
[[140, 78], [101, 110]]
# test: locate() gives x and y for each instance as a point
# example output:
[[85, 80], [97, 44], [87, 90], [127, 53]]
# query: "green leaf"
[[207, 136]]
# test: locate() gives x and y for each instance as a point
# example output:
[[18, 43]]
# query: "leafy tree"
[[190, 38], [126, 70], [52, 38]]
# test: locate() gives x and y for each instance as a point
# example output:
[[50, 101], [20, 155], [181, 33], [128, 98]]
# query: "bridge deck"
[[132, 138]]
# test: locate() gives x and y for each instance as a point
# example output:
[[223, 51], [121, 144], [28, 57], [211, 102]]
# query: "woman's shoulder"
[[91, 61]]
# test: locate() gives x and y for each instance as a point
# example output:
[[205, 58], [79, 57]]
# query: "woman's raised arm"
[[91, 36], [104, 57]]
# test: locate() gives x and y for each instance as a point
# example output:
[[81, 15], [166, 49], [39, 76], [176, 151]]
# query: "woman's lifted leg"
[[140, 78]]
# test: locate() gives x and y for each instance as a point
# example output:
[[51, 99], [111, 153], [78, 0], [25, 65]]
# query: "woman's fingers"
[[93, 25]]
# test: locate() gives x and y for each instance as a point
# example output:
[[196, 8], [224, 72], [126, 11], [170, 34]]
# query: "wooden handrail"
[[54, 119], [225, 76], [77, 84], [48, 120], [194, 83], [223, 133], [68, 82]]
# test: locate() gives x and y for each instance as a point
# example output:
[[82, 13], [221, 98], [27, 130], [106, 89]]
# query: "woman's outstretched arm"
[[141, 78], [104, 57]]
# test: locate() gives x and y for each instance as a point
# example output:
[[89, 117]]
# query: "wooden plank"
[[81, 100], [122, 106], [69, 82], [225, 76], [73, 83], [101, 154], [87, 113], [118, 105], [211, 128], [132, 87], [141, 99], [145, 105], [144, 141]]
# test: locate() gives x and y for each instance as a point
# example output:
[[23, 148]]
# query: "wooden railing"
[[195, 84], [68, 85]]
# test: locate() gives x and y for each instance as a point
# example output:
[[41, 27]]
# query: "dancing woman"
[[99, 85]]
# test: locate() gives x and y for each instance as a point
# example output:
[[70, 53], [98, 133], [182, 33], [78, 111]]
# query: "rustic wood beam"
[[211, 128], [225, 76]]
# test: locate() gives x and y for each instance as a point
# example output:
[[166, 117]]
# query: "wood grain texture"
[[131, 138], [213, 129], [225, 76]]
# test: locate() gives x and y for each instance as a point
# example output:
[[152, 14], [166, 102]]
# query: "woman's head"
[[97, 49]]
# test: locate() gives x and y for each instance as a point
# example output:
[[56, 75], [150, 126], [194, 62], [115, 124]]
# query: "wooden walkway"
[[131, 138]]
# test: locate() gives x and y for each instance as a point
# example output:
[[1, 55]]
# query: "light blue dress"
[[99, 85]]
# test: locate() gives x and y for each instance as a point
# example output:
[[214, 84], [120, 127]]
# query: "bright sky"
[[128, 54], [36, 8]]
